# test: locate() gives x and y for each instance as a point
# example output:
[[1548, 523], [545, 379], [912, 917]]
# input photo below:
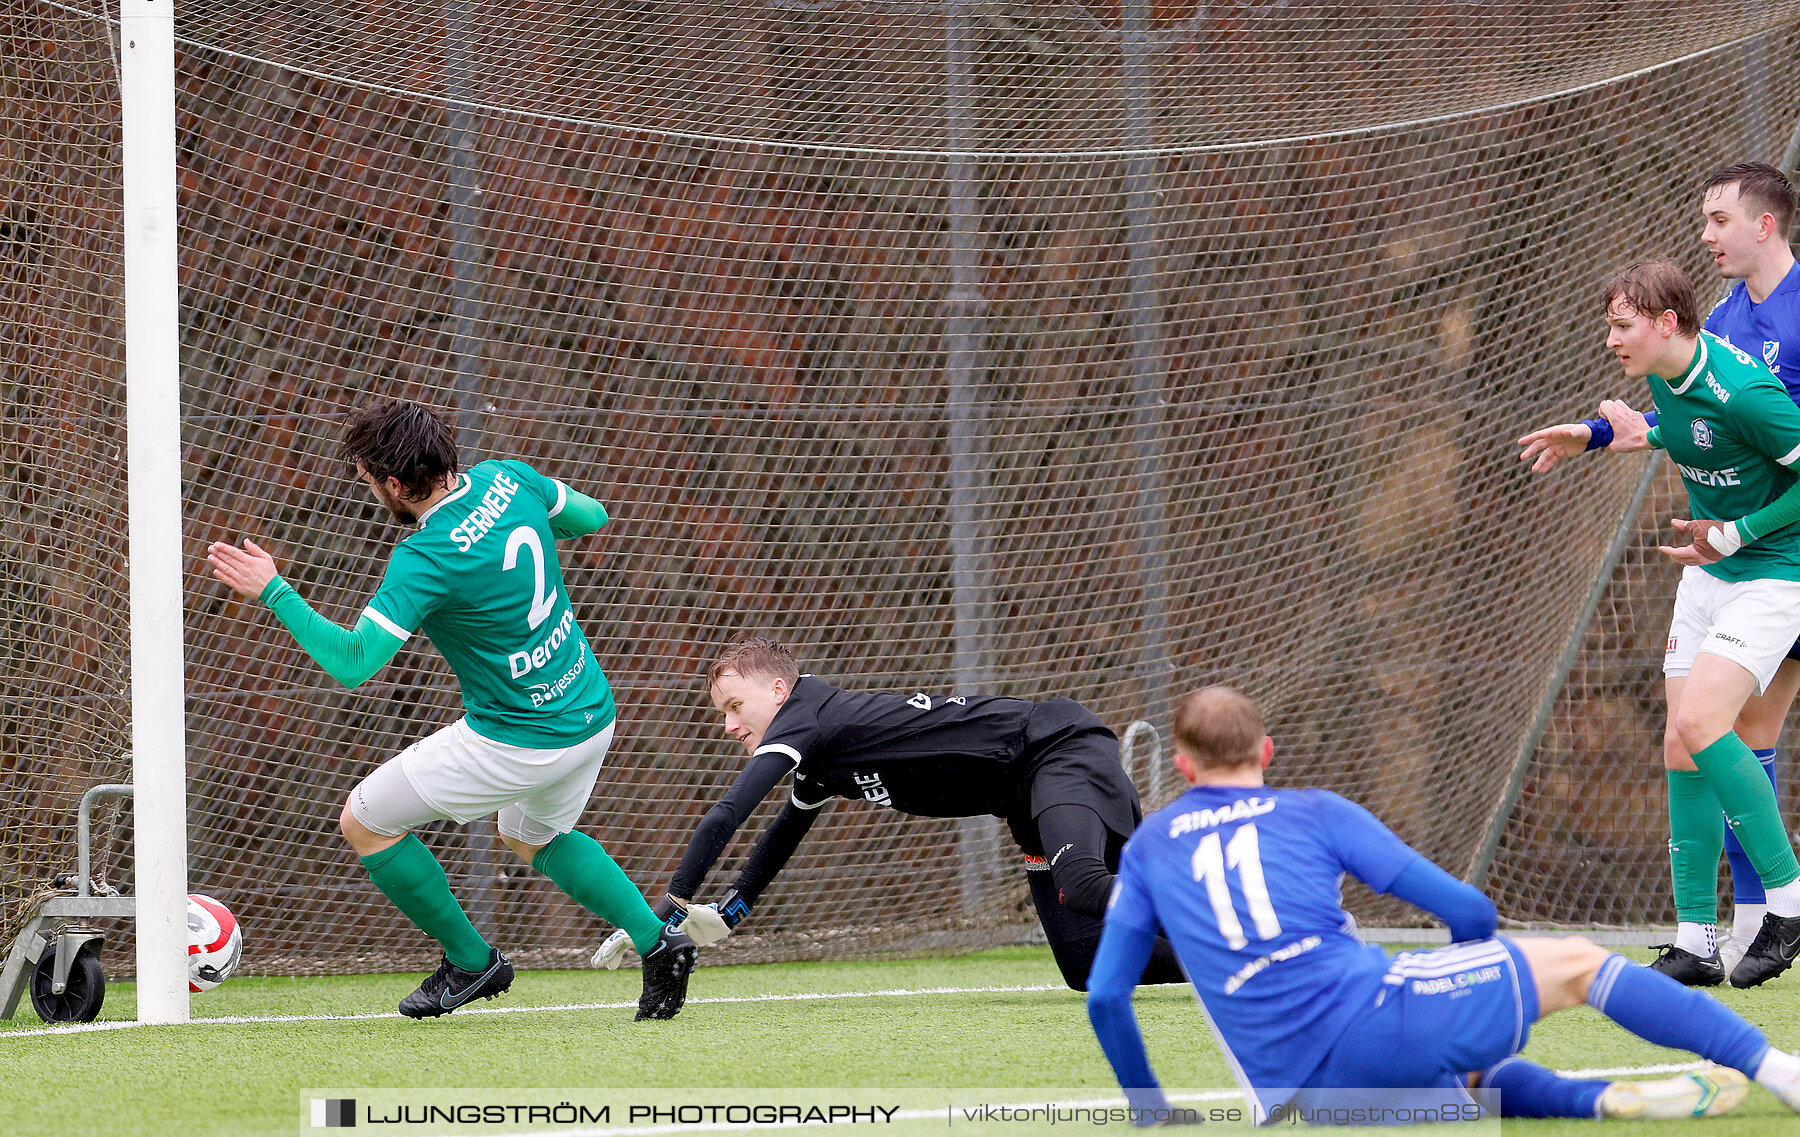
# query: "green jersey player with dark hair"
[[480, 578], [1734, 434]]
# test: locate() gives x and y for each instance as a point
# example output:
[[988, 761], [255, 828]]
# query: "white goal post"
[[153, 424]]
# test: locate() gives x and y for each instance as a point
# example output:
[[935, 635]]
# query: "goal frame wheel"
[[83, 981]]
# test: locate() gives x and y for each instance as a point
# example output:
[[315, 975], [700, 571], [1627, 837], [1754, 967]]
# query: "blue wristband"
[[669, 912], [733, 908], [1602, 435]]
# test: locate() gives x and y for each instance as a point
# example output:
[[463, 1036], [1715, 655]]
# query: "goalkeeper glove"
[[710, 923], [612, 953]]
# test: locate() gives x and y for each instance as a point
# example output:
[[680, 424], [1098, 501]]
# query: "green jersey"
[[1734, 433], [481, 579]]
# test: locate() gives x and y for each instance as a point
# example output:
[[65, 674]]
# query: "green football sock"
[[1737, 779], [581, 868], [1695, 843], [411, 877]]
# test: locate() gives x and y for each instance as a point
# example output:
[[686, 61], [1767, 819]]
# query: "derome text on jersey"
[[523, 663]]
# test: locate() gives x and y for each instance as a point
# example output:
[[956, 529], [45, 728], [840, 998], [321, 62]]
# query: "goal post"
[[155, 531]]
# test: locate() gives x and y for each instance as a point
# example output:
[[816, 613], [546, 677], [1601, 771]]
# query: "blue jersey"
[[1245, 883], [1769, 331]]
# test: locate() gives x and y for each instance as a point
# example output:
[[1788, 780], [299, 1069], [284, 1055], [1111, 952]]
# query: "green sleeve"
[[349, 657], [1778, 514], [579, 516], [1654, 437], [1766, 416]]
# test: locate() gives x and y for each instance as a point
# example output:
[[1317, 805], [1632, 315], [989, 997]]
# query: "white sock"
[[1746, 921], [1785, 900], [1778, 1070], [1700, 939]]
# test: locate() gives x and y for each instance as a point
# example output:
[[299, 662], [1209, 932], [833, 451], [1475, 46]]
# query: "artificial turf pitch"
[[1005, 1032]]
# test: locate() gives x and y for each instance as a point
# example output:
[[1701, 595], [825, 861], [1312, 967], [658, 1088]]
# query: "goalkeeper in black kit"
[[1050, 768]]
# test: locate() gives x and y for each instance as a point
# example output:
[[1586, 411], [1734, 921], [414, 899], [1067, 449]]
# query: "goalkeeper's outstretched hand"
[[710, 923], [612, 953]]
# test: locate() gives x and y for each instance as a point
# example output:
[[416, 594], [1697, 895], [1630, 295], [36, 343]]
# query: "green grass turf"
[[237, 1079]]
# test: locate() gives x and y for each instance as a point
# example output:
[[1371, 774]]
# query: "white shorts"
[[458, 775], [1753, 623]]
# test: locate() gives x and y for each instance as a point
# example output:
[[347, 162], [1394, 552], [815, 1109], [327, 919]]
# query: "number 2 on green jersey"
[[1243, 854], [525, 537]]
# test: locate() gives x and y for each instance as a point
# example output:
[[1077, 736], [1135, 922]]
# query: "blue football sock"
[[1746, 886], [1528, 1090], [1658, 1009]]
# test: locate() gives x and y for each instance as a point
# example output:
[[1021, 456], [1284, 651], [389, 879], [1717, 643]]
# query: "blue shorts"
[[1438, 1016]]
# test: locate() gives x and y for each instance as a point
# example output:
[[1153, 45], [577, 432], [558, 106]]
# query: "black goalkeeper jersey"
[[931, 755], [937, 756]]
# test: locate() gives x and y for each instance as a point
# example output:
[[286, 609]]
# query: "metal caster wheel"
[[82, 994]]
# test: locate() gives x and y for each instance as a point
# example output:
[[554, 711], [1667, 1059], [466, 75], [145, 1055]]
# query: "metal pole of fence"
[[1483, 860], [465, 345], [1154, 668], [465, 216], [977, 837], [1756, 92], [153, 457], [962, 366]]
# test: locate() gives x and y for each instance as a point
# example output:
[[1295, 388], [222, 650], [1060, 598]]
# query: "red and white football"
[[214, 943]]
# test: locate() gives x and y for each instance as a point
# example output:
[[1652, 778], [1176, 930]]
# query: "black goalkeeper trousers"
[[1081, 856]]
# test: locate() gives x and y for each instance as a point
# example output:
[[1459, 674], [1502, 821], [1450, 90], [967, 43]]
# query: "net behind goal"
[[1100, 350]]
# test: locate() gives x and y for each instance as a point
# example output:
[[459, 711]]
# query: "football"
[[214, 943]]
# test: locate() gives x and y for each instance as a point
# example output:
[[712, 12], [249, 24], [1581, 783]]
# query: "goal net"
[[1036, 348]]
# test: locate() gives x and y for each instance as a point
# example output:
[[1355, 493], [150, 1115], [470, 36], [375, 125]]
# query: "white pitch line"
[[798, 997], [1621, 1071]]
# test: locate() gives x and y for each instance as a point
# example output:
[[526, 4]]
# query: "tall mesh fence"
[[1096, 350]]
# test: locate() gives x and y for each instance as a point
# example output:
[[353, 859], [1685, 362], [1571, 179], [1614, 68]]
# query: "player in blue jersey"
[[1244, 881], [479, 576], [1749, 209]]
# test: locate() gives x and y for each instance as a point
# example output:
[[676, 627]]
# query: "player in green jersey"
[[1749, 209], [1734, 434], [480, 578]]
